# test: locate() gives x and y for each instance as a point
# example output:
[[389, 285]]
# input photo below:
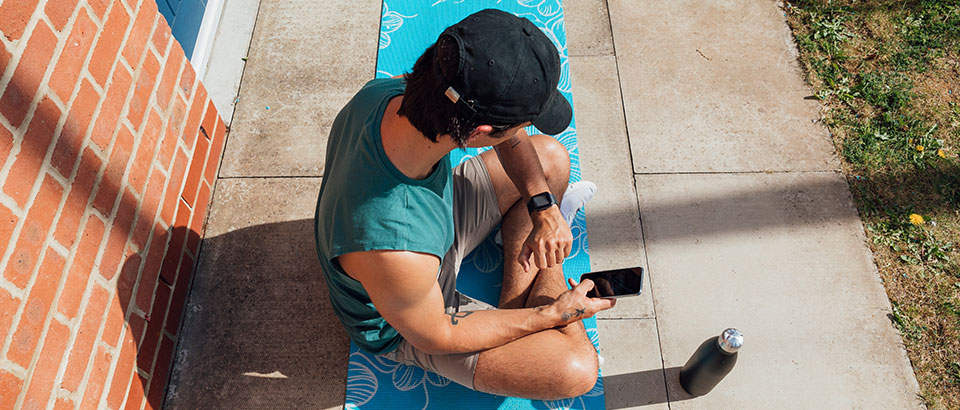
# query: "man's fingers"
[[524, 257], [605, 303], [541, 257], [584, 287]]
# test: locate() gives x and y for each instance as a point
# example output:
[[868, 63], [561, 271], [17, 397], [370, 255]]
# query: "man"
[[394, 221]]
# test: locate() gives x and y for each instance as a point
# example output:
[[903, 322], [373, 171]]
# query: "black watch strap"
[[540, 202]]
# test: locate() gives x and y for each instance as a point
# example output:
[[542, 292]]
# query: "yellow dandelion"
[[941, 154], [916, 219], [920, 148], [910, 141]]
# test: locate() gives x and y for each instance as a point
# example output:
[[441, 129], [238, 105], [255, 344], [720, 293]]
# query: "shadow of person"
[[151, 289], [258, 330]]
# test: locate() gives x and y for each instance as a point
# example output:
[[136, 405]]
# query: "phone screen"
[[615, 283]]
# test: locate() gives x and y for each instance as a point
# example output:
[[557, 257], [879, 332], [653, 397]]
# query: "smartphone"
[[615, 283]]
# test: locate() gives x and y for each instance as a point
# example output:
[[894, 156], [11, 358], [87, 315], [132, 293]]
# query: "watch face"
[[542, 201]]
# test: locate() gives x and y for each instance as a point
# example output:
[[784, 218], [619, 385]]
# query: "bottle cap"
[[730, 340]]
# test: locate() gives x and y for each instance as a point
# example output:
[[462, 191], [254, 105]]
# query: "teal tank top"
[[366, 203]]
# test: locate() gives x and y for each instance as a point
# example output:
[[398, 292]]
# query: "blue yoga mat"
[[407, 28]]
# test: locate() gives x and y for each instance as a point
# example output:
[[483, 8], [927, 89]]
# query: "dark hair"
[[427, 107]]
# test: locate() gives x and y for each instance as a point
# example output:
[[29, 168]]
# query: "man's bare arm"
[[403, 287], [551, 240], [520, 161]]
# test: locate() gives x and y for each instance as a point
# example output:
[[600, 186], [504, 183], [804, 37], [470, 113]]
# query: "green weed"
[[908, 329]]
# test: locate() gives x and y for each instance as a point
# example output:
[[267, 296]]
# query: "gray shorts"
[[475, 214]]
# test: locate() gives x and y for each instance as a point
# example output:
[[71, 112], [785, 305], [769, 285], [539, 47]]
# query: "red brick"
[[74, 53], [127, 280], [210, 119], [179, 298], [140, 168], [158, 379], [79, 273], [116, 319], [35, 312], [80, 191], [98, 375], [151, 268], [175, 182], [216, 154], [84, 343], [109, 118], [148, 210], [8, 221], [182, 220], [196, 223], [8, 308], [178, 237], [14, 16], [43, 375], [64, 404], [161, 35], [171, 69], [10, 388], [16, 100], [188, 78], [192, 126], [171, 134], [195, 174], [6, 142], [5, 57], [143, 91], [126, 363], [113, 176], [99, 7], [119, 231], [59, 11], [33, 233], [106, 51], [74, 129], [139, 34], [151, 338], [36, 142], [136, 394]]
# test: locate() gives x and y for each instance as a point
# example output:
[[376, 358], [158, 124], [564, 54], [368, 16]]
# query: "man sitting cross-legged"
[[394, 221]]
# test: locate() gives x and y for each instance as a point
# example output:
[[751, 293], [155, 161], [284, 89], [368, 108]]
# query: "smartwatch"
[[540, 202]]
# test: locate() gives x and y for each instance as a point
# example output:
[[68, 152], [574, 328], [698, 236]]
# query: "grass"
[[887, 74]]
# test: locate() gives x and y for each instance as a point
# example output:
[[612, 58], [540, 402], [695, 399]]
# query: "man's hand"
[[549, 242], [574, 305]]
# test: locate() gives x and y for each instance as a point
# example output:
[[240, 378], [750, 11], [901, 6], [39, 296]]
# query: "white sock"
[[576, 196]]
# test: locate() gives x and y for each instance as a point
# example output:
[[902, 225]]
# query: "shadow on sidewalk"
[[258, 329], [621, 394]]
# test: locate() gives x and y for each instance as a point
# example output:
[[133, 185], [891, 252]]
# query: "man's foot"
[[576, 196]]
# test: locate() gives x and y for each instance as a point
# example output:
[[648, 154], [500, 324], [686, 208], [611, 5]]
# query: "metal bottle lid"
[[730, 340]]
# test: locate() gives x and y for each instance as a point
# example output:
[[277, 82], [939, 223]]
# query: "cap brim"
[[556, 115]]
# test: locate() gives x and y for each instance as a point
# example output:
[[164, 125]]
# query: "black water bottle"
[[711, 362]]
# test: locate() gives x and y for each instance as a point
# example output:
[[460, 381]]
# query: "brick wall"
[[109, 148]]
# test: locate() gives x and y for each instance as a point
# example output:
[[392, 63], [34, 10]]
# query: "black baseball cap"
[[507, 73]]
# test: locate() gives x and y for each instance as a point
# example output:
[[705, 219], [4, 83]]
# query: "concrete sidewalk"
[[693, 121]]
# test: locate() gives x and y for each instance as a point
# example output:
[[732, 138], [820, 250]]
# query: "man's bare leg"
[[554, 363]]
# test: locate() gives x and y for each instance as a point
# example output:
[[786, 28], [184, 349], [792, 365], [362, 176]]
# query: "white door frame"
[[208, 30]]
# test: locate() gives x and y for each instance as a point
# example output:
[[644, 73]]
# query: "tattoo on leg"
[[514, 141], [458, 315]]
